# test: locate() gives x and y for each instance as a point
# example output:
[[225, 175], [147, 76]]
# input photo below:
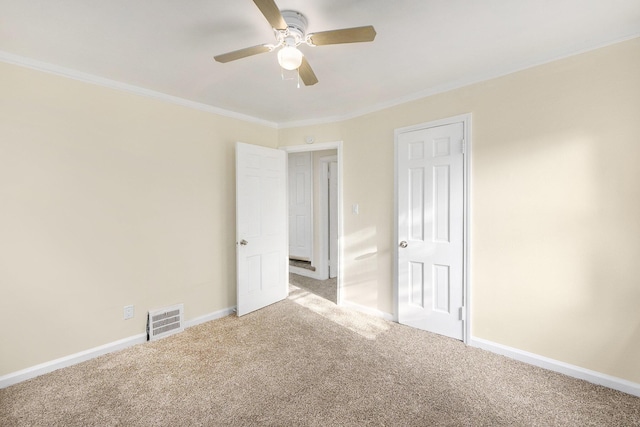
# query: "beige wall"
[[108, 199], [555, 206], [111, 199]]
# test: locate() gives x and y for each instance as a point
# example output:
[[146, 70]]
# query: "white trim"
[[434, 123], [10, 58], [325, 227], [468, 214], [70, 360], [494, 74], [337, 145], [594, 377], [66, 72], [367, 310], [465, 119], [312, 147], [82, 356], [209, 317], [396, 239]]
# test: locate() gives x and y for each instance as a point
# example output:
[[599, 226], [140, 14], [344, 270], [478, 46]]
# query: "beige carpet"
[[307, 362], [327, 289]]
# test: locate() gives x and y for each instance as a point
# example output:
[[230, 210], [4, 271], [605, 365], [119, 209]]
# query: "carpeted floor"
[[327, 289], [307, 362]]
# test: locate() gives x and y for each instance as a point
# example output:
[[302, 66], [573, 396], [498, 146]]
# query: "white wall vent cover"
[[165, 321]]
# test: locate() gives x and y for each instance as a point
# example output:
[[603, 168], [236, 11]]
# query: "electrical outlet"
[[128, 312]]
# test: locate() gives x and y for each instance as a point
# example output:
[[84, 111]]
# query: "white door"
[[300, 213], [430, 167], [261, 235]]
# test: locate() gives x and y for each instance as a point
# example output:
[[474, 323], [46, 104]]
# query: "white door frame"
[[325, 215], [466, 263], [338, 147]]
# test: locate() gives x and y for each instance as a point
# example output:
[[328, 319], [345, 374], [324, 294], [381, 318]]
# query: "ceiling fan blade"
[[346, 35], [242, 53], [270, 11], [306, 73]]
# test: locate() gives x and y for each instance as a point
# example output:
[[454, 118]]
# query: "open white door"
[[430, 197], [261, 235]]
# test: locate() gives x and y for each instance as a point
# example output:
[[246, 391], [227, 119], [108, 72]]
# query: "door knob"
[[243, 242], [404, 244]]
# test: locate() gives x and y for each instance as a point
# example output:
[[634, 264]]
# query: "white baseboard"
[[367, 310], [558, 366], [73, 359], [209, 317]]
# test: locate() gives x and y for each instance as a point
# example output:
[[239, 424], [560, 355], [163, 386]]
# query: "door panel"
[[430, 229], [261, 238]]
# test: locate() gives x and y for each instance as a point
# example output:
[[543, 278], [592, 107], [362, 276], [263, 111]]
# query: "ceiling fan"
[[290, 27]]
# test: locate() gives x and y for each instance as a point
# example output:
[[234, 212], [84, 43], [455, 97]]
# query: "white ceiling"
[[422, 47]]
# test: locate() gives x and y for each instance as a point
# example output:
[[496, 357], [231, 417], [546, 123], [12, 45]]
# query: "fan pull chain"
[[289, 76]]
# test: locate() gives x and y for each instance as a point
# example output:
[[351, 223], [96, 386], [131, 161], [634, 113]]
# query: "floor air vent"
[[164, 322]]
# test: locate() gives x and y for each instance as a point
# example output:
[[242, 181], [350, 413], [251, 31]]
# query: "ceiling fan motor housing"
[[296, 23]]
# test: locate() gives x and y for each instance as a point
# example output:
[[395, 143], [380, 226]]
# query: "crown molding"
[[494, 74], [13, 59]]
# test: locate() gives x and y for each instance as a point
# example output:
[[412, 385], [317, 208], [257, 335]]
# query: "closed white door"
[[430, 229], [300, 213], [261, 235]]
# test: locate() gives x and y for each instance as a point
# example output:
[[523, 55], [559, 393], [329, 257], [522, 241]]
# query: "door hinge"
[[462, 314], [463, 146]]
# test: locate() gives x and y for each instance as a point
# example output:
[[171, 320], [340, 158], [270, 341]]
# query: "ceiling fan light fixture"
[[290, 30], [289, 58]]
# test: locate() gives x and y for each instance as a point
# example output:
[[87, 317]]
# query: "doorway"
[[318, 270]]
